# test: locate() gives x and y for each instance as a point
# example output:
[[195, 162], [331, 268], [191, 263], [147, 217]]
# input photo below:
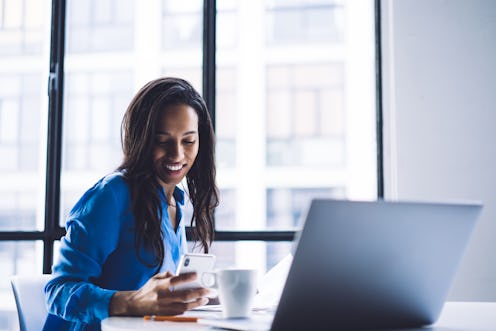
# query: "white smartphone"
[[198, 263]]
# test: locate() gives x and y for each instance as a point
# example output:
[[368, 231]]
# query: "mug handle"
[[209, 280]]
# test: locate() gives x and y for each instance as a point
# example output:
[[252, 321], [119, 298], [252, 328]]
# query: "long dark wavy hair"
[[138, 140]]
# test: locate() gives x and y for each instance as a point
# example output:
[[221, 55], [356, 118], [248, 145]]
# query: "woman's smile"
[[174, 170], [174, 167]]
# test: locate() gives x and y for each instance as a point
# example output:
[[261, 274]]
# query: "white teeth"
[[173, 167]]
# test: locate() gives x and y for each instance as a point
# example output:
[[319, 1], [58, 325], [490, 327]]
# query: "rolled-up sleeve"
[[92, 235]]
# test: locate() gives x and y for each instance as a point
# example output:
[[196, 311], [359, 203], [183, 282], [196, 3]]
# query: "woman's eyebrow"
[[165, 133]]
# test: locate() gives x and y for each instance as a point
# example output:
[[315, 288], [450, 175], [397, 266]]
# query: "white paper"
[[272, 285]]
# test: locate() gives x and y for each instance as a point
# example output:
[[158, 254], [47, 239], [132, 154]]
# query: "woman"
[[126, 234]]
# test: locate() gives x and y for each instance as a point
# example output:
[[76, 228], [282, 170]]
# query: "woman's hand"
[[157, 298]]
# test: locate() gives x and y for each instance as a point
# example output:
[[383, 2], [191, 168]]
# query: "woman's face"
[[176, 143]]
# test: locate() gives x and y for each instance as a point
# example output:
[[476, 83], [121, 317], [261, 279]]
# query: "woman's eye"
[[166, 143]]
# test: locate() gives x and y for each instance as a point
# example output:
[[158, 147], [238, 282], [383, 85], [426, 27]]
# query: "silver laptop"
[[370, 265]]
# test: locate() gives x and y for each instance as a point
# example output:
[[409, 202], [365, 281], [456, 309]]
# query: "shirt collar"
[[178, 195]]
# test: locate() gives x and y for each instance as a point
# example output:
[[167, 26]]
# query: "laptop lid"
[[379, 264]]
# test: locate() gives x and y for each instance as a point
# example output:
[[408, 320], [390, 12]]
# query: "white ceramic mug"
[[236, 287]]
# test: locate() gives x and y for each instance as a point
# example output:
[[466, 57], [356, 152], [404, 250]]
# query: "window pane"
[[18, 258], [295, 110], [95, 102], [24, 46], [113, 48]]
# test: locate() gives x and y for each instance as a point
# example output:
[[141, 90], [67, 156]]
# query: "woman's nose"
[[176, 152]]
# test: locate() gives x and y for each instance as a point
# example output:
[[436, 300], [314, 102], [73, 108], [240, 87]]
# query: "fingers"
[[189, 294], [167, 281], [197, 303], [183, 278], [164, 289]]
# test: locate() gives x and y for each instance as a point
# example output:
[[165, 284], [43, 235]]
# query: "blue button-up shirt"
[[98, 255]]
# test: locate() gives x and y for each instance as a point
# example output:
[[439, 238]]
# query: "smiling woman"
[[124, 239]]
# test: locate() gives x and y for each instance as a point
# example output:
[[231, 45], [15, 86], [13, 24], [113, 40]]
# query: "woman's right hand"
[[157, 298]]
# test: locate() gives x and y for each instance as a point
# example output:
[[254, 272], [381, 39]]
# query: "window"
[[294, 111]]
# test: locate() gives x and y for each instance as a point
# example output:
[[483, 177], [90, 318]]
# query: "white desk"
[[456, 316], [138, 323]]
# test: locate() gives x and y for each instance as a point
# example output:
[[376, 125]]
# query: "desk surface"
[[455, 316]]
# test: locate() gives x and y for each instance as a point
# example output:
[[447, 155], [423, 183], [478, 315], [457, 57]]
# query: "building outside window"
[[295, 109]]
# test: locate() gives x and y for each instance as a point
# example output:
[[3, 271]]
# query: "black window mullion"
[[54, 138], [379, 114], [255, 235], [21, 235], [248, 235], [209, 62]]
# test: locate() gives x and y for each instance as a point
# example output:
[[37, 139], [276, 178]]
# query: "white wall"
[[439, 71]]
